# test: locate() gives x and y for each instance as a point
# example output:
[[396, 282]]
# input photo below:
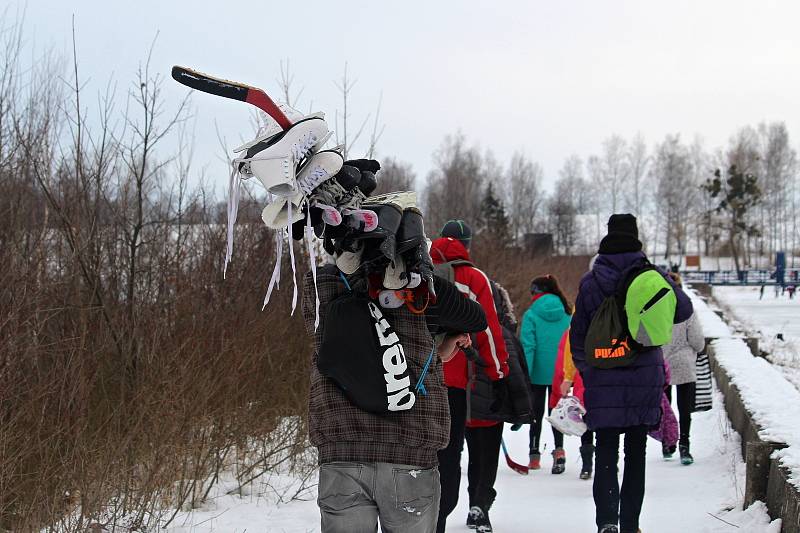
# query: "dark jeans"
[[587, 439], [610, 503], [450, 457], [686, 395], [483, 445], [539, 394]]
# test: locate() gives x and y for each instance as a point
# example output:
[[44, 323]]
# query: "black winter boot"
[[587, 456], [683, 450], [686, 457], [472, 516], [559, 461], [667, 452], [483, 524]]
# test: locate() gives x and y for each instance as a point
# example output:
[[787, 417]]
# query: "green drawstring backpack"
[[637, 316]]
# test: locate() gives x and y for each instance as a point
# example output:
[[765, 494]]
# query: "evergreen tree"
[[736, 195], [494, 219]]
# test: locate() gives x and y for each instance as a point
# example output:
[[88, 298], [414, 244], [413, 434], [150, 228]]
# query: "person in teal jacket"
[[543, 325]]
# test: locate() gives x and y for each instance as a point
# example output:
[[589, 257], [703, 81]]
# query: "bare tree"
[[137, 213], [454, 187], [395, 176], [702, 167], [675, 191], [377, 131], [562, 210], [345, 86], [580, 189], [638, 160], [286, 82], [610, 172], [794, 194], [778, 168], [525, 194], [743, 150]]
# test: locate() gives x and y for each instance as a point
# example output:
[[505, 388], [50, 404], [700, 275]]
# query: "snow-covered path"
[[678, 498], [705, 497]]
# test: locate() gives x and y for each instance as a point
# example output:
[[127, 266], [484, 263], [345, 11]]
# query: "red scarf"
[[537, 296]]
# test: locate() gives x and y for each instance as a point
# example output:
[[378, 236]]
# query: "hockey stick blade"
[[516, 467], [231, 89]]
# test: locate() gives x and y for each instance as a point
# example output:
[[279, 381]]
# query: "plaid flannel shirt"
[[343, 432]]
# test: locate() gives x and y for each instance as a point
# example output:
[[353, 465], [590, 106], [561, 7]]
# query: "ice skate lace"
[[298, 151], [353, 199], [233, 209], [313, 180], [302, 147], [234, 184], [276, 272], [329, 193]]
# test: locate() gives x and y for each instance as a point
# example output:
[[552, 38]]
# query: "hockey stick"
[[231, 89], [516, 467]]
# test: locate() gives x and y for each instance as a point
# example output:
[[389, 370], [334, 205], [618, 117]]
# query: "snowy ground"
[[766, 318], [696, 498], [702, 498]]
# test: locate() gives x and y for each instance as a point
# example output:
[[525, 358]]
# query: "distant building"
[[538, 244]]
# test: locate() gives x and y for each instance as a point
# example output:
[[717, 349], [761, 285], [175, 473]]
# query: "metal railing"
[[745, 277]]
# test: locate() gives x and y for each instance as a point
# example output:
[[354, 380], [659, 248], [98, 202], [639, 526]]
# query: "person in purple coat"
[[624, 400]]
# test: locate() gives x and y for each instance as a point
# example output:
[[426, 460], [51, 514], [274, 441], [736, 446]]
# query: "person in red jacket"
[[453, 248]]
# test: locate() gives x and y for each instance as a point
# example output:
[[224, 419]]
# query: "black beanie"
[[623, 223], [623, 235], [459, 230]]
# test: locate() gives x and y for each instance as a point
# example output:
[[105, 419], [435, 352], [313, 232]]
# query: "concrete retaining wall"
[[765, 480]]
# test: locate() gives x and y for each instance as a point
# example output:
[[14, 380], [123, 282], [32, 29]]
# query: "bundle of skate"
[[274, 158], [389, 208], [401, 233], [358, 217], [320, 211], [347, 193], [411, 242], [315, 171], [276, 215], [278, 158], [325, 194]]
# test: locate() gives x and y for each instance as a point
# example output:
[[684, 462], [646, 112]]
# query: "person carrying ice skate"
[[565, 379]]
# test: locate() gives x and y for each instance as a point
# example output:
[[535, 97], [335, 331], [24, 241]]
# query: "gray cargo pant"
[[354, 496]]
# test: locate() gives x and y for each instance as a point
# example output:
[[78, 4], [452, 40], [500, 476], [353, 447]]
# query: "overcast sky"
[[548, 78]]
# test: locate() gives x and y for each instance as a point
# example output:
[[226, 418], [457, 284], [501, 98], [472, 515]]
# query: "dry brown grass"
[[130, 371], [84, 425], [514, 269]]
